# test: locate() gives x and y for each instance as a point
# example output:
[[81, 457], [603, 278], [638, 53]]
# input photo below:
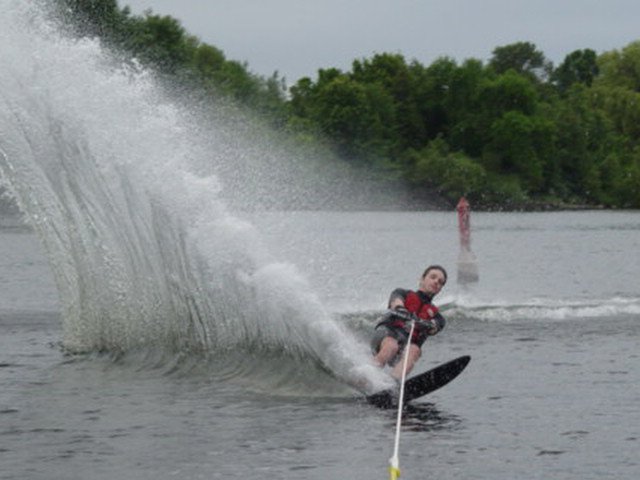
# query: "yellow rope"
[[394, 473]]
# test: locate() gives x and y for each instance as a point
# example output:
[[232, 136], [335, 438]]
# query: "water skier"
[[392, 333]]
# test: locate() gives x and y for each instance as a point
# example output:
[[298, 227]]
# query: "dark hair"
[[435, 267]]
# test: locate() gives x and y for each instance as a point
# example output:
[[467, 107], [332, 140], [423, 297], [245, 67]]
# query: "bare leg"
[[388, 349], [414, 355]]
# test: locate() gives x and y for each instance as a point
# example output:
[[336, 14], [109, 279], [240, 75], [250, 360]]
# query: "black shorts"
[[383, 331], [399, 333]]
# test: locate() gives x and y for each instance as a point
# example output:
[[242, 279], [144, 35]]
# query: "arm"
[[396, 299], [437, 324]]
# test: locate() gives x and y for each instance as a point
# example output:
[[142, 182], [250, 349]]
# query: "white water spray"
[[143, 250]]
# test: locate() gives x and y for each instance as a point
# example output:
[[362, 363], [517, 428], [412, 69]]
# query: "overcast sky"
[[297, 37]]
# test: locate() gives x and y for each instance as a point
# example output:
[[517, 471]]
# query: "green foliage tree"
[[621, 68], [583, 136], [489, 98], [207, 62], [432, 94], [160, 41], [522, 57], [629, 189], [459, 97], [509, 91], [93, 18], [520, 144], [579, 66], [506, 133], [356, 116], [616, 92], [452, 174], [622, 107], [397, 80]]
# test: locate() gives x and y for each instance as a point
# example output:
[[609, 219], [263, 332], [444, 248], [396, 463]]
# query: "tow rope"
[[394, 462]]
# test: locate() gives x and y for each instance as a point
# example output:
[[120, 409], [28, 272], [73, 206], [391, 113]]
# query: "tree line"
[[510, 132]]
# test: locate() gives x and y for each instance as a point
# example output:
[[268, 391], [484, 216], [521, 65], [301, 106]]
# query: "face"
[[432, 282]]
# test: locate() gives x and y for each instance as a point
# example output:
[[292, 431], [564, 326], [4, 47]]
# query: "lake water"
[[551, 392], [151, 328]]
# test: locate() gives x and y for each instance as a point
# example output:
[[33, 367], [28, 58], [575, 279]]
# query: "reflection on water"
[[426, 417]]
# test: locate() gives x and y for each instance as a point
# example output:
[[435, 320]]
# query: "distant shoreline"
[[8, 208]]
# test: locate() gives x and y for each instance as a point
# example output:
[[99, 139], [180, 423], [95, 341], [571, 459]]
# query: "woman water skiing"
[[406, 306]]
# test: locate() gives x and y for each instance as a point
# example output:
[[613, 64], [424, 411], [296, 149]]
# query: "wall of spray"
[[125, 189]]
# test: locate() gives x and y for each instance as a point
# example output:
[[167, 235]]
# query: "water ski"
[[421, 384]]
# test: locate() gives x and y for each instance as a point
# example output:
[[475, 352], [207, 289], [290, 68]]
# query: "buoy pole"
[[467, 267]]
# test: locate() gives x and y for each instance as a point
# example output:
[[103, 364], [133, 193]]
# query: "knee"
[[388, 349], [389, 344], [416, 351]]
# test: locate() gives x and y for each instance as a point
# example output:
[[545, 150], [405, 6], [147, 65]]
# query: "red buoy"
[[467, 267]]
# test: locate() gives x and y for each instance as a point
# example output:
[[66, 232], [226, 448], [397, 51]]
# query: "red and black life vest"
[[419, 305], [423, 310]]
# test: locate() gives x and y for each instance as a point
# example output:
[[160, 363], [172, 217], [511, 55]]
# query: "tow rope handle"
[[410, 317]]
